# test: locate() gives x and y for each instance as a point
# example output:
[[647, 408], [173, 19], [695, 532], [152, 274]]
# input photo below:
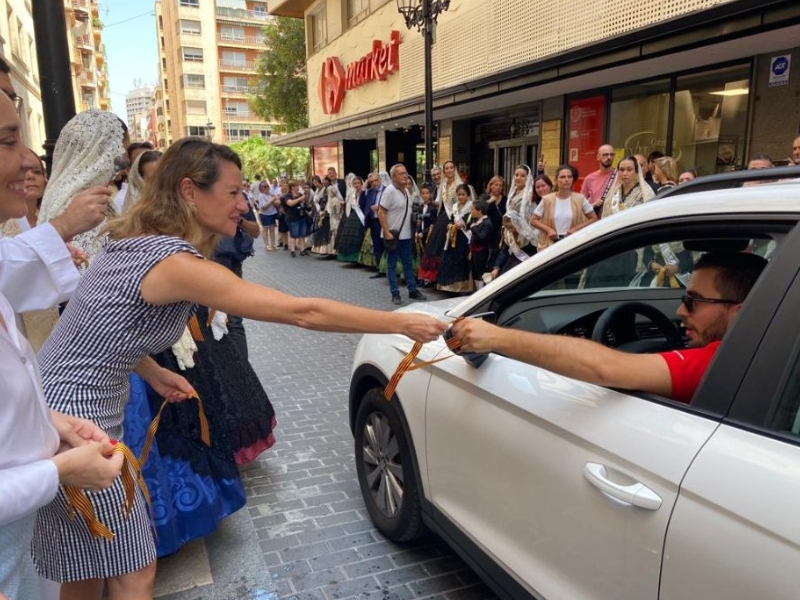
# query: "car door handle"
[[637, 494]]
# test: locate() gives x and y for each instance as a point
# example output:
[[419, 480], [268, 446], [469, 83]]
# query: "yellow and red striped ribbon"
[[78, 502], [407, 365]]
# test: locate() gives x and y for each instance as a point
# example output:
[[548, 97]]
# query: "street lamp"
[[422, 14], [210, 128]]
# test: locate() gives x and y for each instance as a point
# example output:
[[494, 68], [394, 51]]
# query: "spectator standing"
[[372, 249], [665, 173], [687, 175], [454, 272], [562, 212], [395, 219], [351, 234], [436, 180], [795, 157], [293, 204], [481, 241], [598, 183], [341, 184], [267, 213]]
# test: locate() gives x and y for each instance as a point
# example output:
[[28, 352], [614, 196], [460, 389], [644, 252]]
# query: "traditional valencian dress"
[[454, 272], [351, 230], [434, 244]]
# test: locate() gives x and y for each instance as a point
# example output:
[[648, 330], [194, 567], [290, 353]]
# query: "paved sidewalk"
[[305, 534]]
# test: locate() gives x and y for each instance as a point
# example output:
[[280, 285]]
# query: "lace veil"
[[83, 157]]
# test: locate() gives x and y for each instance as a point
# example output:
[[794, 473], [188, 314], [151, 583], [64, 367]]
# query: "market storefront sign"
[[335, 79]]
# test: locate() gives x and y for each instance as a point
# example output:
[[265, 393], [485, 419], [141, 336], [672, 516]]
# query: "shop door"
[[510, 157]]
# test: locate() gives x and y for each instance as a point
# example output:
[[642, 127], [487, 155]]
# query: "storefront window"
[[638, 118], [711, 120]]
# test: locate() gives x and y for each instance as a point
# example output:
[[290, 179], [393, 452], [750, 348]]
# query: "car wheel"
[[386, 469]]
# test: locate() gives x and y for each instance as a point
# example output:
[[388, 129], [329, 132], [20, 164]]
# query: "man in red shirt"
[[597, 184], [719, 285]]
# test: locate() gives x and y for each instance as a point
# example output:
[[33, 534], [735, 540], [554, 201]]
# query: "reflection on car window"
[[667, 264], [787, 415]]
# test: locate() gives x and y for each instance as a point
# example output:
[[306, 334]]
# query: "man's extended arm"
[[571, 357]]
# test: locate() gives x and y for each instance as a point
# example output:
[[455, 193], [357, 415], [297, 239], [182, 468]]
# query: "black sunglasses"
[[688, 301]]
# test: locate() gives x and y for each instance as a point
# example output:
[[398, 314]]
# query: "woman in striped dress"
[[134, 301]]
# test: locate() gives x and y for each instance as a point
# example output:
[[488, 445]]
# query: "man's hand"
[[387, 235], [74, 431], [476, 335], [84, 212]]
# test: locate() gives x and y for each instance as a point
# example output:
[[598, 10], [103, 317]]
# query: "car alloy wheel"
[[385, 469]]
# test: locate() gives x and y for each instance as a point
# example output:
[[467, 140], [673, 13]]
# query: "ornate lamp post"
[[210, 129], [422, 14]]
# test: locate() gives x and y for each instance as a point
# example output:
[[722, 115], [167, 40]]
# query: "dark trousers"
[[235, 324], [377, 242], [404, 249]]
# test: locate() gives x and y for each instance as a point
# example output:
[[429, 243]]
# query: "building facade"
[[18, 49], [139, 106], [707, 81], [208, 51], [87, 55]]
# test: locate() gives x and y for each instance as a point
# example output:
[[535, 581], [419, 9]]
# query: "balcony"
[[290, 8], [235, 65], [238, 15], [86, 79], [238, 90], [84, 43], [238, 116], [250, 41], [81, 7]]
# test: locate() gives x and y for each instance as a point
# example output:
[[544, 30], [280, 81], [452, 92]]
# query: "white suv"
[[554, 488]]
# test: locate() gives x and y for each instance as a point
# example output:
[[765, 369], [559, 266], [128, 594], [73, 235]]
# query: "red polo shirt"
[[686, 369]]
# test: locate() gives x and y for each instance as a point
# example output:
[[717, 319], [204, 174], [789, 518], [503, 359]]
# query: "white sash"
[[359, 212], [459, 216]]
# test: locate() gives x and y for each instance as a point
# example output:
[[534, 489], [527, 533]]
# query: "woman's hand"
[[422, 328], [94, 466], [670, 270], [79, 257], [169, 385], [495, 273], [75, 432], [655, 267], [553, 235]]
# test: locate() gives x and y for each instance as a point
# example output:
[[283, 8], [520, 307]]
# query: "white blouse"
[[36, 269], [28, 479]]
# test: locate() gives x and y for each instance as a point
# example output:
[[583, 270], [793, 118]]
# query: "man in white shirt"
[[395, 218]]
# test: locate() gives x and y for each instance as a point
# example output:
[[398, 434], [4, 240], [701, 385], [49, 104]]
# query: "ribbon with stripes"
[[407, 364], [78, 502]]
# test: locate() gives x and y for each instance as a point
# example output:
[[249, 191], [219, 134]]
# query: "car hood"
[[437, 308]]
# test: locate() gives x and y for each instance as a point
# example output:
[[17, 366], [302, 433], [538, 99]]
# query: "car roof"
[[778, 198]]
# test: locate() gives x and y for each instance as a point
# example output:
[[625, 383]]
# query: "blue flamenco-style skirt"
[[191, 493]]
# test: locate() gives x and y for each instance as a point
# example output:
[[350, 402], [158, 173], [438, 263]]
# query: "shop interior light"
[[733, 92]]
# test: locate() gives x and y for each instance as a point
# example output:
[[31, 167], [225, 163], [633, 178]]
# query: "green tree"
[[259, 157], [281, 88]]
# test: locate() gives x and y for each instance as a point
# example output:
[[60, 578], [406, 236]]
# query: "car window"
[[667, 264], [787, 415]]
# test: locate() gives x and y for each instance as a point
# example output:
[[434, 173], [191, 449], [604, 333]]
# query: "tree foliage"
[[259, 157], [281, 88]]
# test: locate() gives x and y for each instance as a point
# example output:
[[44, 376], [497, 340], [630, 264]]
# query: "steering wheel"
[[628, 311]]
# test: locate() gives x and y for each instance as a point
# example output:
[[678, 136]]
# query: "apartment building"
[[18, 49], [139, 105], [709, 82], [208, 50], [87, 55]]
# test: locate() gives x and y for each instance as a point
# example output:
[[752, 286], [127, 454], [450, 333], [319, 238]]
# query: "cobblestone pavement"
[[305, 533]]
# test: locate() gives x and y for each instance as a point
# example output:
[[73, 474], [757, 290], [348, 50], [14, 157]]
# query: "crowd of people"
[[133, 294], [137, 313], [450, 237]]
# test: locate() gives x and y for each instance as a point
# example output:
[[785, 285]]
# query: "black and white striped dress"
[[105, 331]]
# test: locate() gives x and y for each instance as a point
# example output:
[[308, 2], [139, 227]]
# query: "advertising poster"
[[586, 127]]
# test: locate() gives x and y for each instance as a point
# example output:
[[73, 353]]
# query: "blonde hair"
[[162, 210], [492, 180], [668, 167]]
